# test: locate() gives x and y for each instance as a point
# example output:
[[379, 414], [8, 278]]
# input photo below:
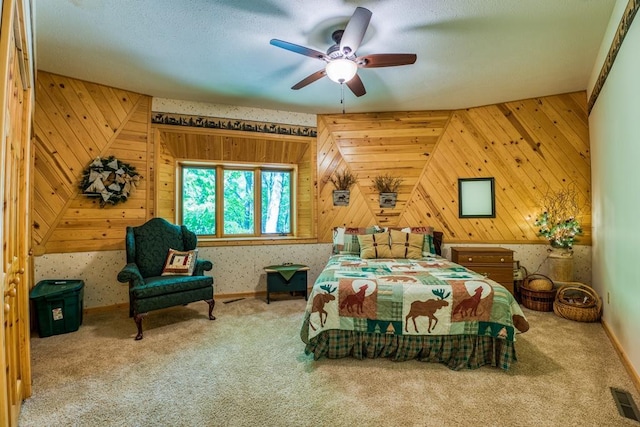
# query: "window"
[[248, 201], [276, 202], [199, 199], [238, 202]]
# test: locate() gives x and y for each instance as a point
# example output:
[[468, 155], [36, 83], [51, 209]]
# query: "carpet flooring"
[[248, 368]]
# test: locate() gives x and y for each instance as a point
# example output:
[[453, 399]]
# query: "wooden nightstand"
[[286, 278], [494, 263]]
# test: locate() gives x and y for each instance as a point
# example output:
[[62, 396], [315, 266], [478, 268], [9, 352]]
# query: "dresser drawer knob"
[[501, 259], [470, 259]]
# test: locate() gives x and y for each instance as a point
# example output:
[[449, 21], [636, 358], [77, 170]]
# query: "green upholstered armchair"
[[147, 248]]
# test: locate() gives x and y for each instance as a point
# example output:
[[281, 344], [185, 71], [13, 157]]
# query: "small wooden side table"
[[286, 278]]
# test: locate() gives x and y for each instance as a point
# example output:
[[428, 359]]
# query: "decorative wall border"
[[231, 124], [621, 32]]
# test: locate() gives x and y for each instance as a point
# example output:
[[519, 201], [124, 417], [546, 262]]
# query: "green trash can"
[[58, 305]]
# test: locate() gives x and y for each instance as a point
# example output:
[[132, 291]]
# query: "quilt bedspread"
[[430, 296]]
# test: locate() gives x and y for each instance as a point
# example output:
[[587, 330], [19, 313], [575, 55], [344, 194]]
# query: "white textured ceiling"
[[470, 52]]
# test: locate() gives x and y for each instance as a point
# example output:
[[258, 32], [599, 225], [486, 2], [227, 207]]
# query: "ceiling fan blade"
[[354, 31], [299, 49], [309, 79], [386, 60], [356, 86]]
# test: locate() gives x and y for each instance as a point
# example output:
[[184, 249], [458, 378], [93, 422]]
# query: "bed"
[[404, 301]]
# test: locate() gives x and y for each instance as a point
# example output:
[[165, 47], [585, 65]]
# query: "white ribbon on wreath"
[[109, 180]]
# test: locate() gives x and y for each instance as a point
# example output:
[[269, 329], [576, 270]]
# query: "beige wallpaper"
[[164, 105], [239, 269]]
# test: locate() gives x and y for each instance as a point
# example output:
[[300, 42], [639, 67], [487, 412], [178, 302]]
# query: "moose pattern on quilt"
[[430, 296]]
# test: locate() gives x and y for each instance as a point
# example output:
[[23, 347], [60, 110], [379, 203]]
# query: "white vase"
[[560, 265]]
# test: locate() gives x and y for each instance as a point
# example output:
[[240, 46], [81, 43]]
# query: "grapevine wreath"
[[109, 179]]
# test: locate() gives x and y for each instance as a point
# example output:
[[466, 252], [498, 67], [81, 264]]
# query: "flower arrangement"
[[109, 179], [344, 180], [386, 183], [559, 222]]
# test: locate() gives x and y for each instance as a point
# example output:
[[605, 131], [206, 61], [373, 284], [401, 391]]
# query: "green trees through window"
[[199, 200], [276, 202], [238, 202], [243, 191]]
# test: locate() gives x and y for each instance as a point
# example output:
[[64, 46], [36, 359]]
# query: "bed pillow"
[[374, 245], [428, 244], [406, 245], [180, 263], [345, 239]]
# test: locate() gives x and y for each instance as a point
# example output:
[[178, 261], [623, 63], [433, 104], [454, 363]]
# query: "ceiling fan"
[[342, 63]]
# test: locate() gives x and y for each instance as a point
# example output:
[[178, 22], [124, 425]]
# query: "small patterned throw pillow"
[[180, 263], [345, 240], [406, 245], [374, 245]]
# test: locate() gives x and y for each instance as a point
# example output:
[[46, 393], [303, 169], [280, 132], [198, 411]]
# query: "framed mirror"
[[476, 198]]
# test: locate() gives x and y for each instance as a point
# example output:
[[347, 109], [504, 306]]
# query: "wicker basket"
[[536, 299], [579, 302], [538, 282]]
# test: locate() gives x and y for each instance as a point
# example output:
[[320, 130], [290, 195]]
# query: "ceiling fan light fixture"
[[341, 62], [341, 70]]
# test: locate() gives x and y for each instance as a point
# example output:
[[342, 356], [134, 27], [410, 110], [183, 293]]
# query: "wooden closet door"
[[15, 164]]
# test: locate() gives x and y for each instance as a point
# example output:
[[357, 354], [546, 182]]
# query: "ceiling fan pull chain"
[[342, 96]]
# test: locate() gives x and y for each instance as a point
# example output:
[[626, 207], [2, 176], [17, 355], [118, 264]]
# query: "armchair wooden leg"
[[211, 303], [137, 317]]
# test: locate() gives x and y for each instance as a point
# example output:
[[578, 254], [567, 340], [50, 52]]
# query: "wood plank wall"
[[166, 178], [75, 122], [528, 146]]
